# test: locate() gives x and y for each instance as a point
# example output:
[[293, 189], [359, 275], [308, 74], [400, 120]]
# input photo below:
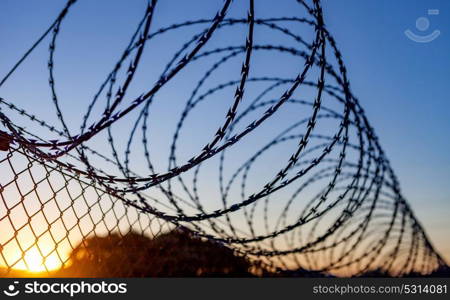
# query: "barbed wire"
[[345, 214]]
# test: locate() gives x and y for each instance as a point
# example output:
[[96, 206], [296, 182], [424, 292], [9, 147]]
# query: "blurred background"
[[401, 83]]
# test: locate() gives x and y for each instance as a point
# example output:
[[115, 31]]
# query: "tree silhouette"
[[173, 254]]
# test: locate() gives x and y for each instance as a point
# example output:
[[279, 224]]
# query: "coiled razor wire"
[[332, 204]]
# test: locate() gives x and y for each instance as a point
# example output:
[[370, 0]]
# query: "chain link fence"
[[312, 195]]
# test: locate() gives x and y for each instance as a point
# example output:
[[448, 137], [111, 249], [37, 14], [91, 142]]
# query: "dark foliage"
[[174, 254]]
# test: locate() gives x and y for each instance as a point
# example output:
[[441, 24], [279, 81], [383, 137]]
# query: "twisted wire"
[[334, 206]]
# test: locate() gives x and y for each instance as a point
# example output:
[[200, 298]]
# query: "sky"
[[402, 84]]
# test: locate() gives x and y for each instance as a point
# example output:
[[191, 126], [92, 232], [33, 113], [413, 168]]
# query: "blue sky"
[[403, 85]]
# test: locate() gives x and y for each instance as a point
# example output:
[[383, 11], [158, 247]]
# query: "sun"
[[34, 262]]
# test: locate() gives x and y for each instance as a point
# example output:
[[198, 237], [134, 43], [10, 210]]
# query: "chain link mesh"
[[331, 206]]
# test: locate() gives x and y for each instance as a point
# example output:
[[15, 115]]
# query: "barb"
[[331, 202]]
